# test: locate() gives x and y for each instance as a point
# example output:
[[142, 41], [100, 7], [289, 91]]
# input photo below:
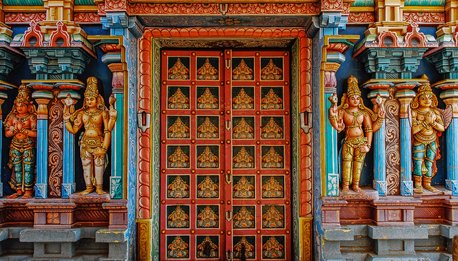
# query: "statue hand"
[[113, 113], [68, 101], [430, 117], [364, 148], [19, 126], [67, 117]]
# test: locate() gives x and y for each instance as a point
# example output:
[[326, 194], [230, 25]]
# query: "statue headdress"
[[425, 88], [23, 95], [353, 88], [91, 89]]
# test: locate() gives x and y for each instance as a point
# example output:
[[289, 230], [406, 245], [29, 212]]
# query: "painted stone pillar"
[[405, 96], [450, 98], [117, 135], [68, 175], [379, 91], [42, 96], [332, 162]]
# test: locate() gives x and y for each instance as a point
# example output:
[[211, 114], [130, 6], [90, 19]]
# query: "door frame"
[[148, 136]]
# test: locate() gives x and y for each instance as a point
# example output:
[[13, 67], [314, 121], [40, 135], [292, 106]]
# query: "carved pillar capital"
[[42, 97], [405, 96]]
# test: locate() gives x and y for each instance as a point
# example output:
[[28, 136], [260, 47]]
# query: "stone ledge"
[[373, 257], [339, 234], [50, 235], [386, 233], [111, 236], [448, 231]]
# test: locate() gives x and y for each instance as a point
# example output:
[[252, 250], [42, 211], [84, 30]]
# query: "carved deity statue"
[[98, 123], [427, 123], [21, 124], [359, 123]]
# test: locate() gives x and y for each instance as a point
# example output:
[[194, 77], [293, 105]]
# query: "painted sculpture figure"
[[359, 123], [98, 123], [427, 123], [21, 124]]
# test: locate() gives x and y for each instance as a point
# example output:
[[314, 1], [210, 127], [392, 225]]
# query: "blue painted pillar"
[[42, 97], [68, 172], [405, 96], [379, 182], [450, 98], [332, 159]]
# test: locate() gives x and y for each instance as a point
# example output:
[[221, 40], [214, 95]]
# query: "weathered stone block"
[[111, 236], [385, 233], [48, 235], [338, 234]]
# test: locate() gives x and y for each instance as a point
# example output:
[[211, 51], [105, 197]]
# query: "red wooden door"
[[225, 155]]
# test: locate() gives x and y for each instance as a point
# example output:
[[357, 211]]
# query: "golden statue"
[[98, 123], [427, 123], [207, 188], [21, 124], [178, 248], [359, 123]]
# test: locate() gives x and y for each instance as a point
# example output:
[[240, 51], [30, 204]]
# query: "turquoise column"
[[450, 98], [379, 182], [68, 172], [332, 158], [405, 96], [117, 141], [42, 97]]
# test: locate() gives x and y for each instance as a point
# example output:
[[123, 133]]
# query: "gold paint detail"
[[242, 71]]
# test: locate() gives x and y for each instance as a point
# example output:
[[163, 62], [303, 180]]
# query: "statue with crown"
[[428, 122], [98, 122], [21, 125], [359, 123]]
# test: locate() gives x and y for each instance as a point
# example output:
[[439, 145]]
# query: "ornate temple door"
[[225, 155]]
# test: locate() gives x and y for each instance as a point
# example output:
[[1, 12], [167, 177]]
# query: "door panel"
[[225, 161]]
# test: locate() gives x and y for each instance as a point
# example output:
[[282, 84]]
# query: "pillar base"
[[68, 189], [41, 190], [452, 185], [116, 187], [407, 188], [380, 186], [333, 185], [1, 190]]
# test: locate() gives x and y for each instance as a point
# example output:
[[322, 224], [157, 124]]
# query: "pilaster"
[[379, 90], [3, 96], [405, 94], [42, 95]]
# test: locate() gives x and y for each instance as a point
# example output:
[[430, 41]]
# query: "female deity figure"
[[98, 123], [427, 124], [21, 124], [359, 123]]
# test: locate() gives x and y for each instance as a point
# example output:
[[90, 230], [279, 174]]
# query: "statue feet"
[[99, 190], [357, 189], [89, 189], [28, 194], [427, 185], [418, 188], [16, 195]]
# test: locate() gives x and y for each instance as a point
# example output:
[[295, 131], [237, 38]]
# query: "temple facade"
[[229, 130]]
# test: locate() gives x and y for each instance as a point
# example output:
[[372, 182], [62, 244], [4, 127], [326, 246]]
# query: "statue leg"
[[86, 161], [99, 169], [347, 156], [16, 160], [418, 166], [431, 150], [28, 159], [357, 168]]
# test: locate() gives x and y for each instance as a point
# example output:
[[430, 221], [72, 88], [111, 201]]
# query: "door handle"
[[229, 255], [228, 215], [228, 178], [228, 124]]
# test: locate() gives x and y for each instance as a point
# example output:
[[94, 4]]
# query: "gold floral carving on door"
[[225, 155]]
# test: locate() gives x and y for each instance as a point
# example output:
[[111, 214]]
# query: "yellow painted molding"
[[52, 81], [361, 9], [306, 236], [425, 9], [25, 9], [85, 8], [144, 237]]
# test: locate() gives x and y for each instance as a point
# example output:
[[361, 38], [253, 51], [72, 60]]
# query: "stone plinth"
[[117, 211], [395, 211], [52, 215], [451, 211], [331, 211]]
